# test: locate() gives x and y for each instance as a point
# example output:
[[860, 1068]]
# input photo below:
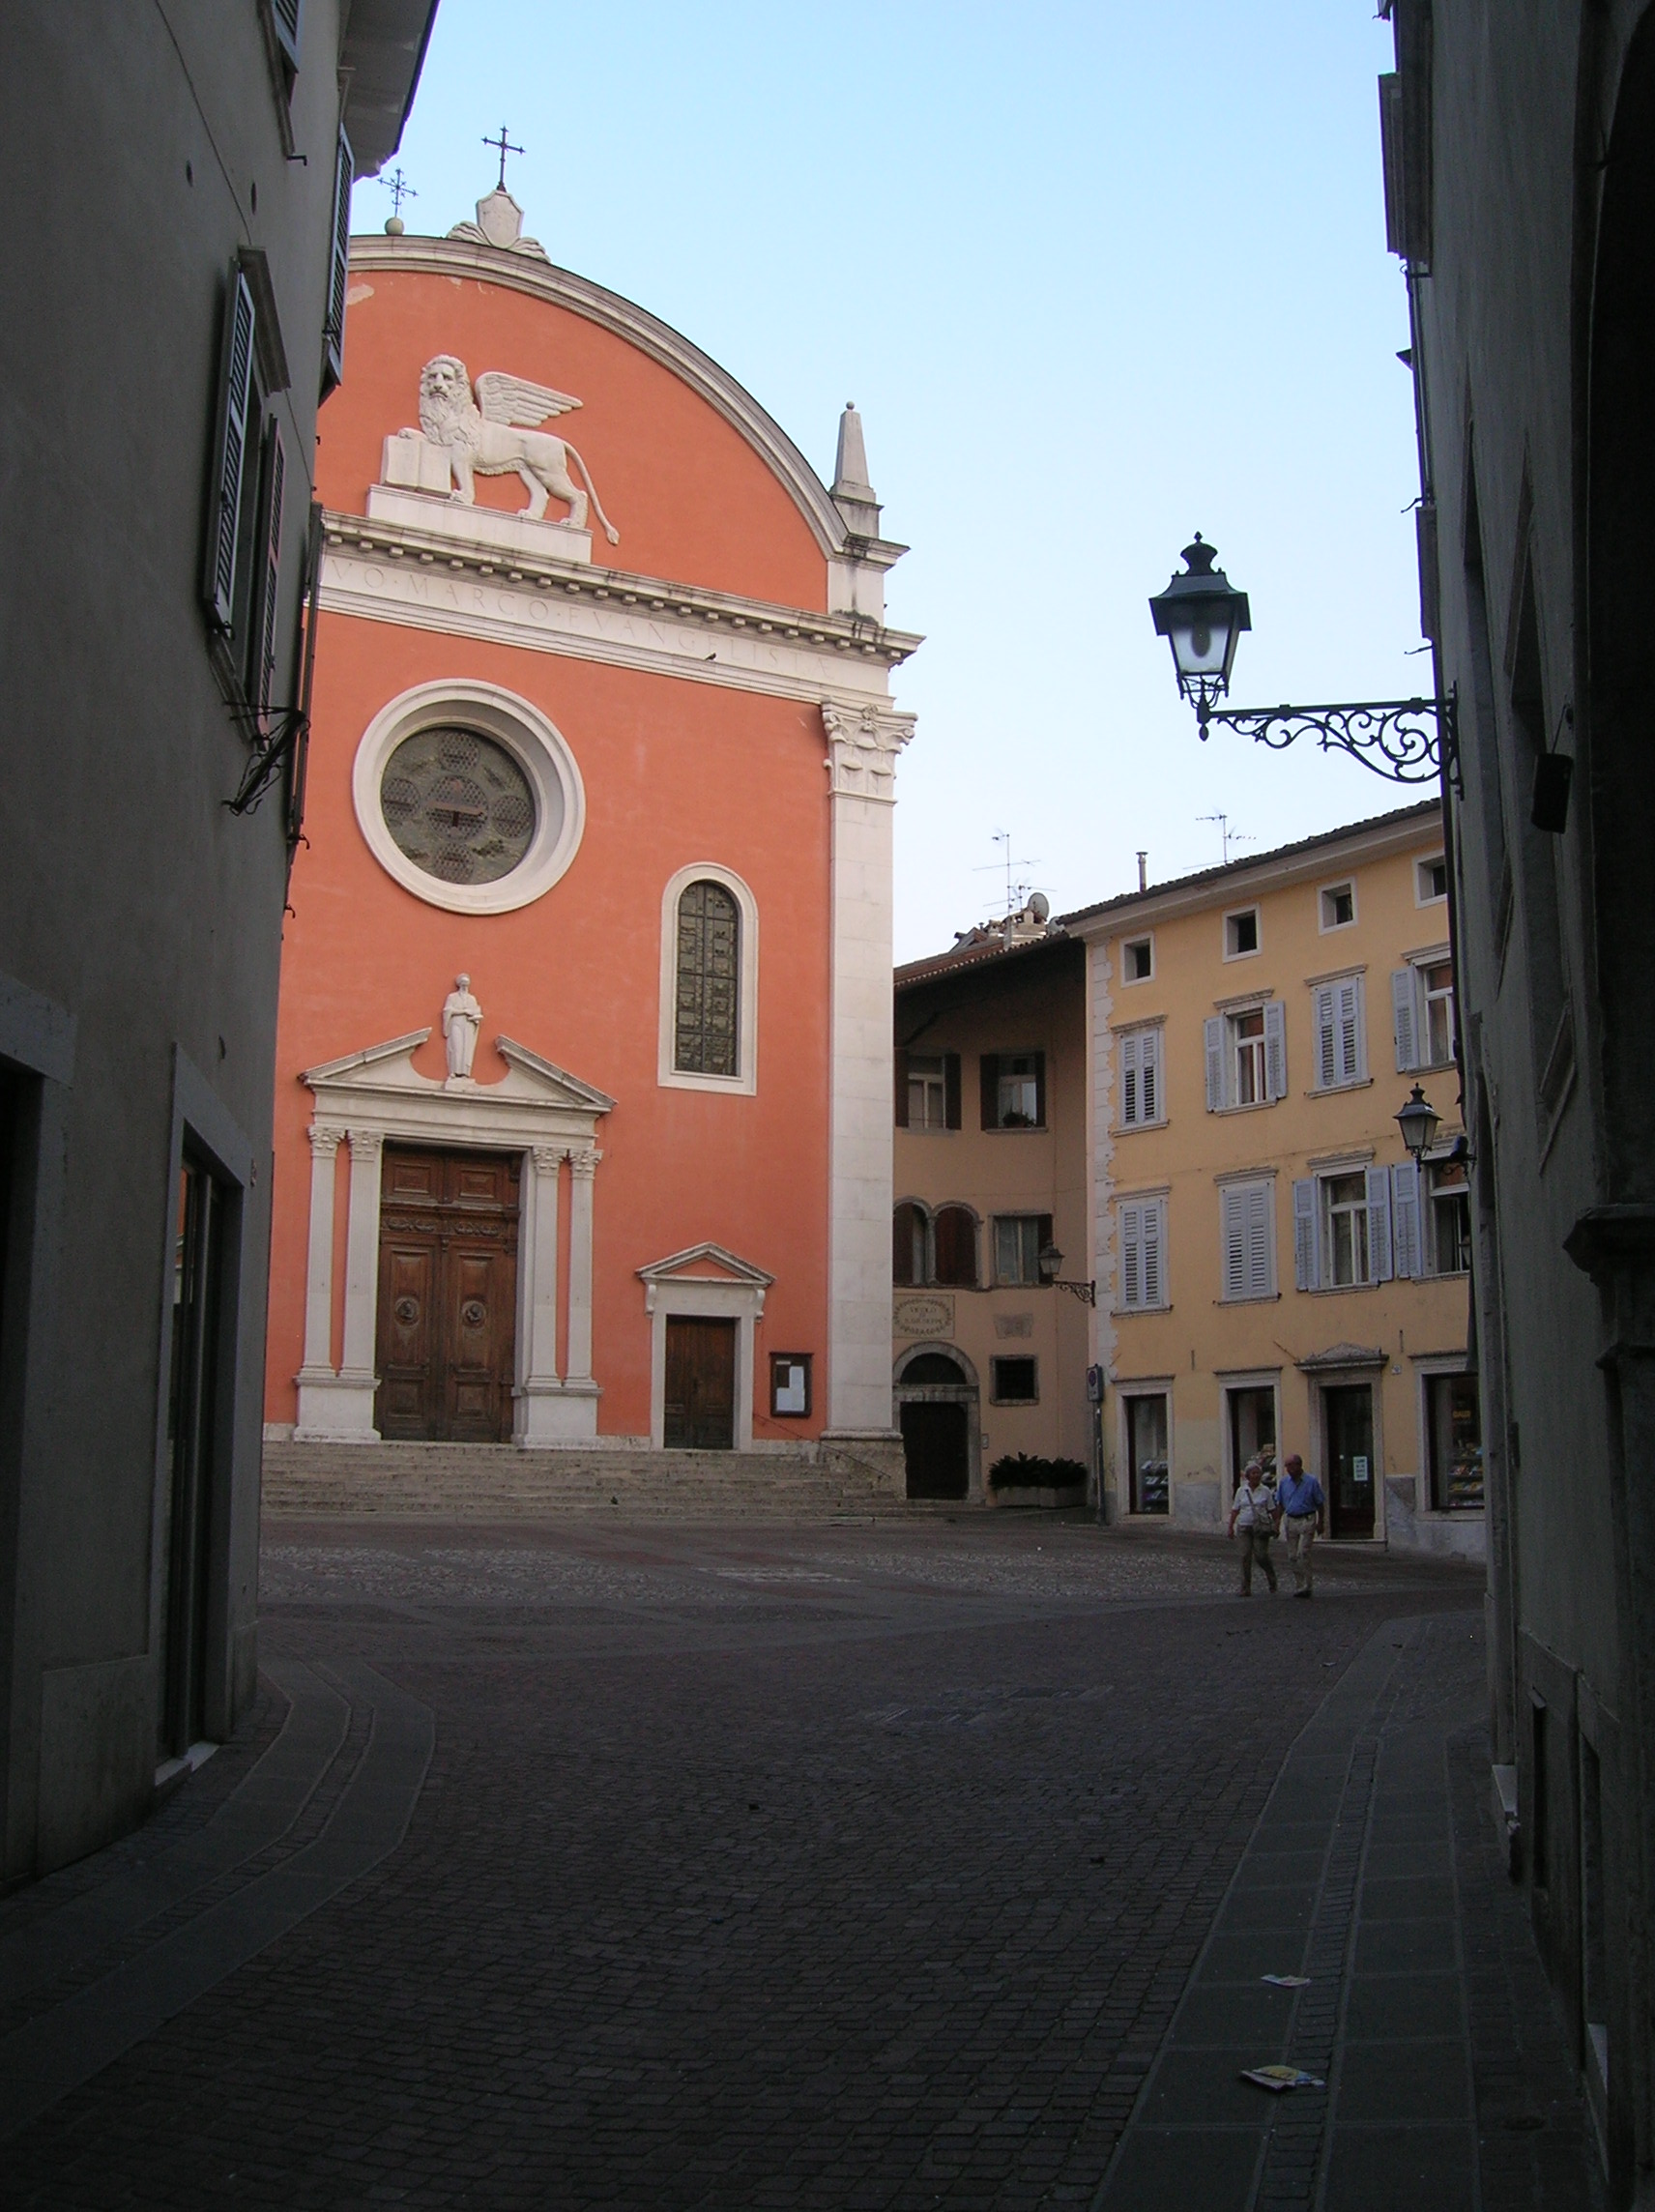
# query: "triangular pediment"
[[388, 1068], [705, 1264], [1345, 1355]]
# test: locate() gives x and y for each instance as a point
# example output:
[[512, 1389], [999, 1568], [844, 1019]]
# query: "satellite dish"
[[1040, 905]]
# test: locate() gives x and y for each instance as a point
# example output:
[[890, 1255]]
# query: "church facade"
[[583, 1095]]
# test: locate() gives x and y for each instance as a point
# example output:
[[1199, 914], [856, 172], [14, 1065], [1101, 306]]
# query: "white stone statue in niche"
[[462, 1018], [493, 435]]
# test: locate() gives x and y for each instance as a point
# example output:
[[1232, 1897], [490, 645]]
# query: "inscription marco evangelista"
[[493, 434]]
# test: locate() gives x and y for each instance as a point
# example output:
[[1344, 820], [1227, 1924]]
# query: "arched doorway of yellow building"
[[937, 1402]]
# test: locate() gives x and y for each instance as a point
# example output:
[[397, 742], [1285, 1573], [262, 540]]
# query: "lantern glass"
[[1202, 615], [1049, 1260], [1418, 1120]]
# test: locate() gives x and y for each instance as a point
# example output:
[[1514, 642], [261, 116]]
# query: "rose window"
[[458, 805]]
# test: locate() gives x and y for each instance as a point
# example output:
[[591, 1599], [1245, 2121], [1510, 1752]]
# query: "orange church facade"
[[583, 1114]]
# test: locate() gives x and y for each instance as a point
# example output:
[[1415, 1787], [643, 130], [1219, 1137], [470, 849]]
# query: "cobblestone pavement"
[[830, 1867]]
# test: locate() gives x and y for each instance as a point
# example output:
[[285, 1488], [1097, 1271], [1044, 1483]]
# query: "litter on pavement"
[[1286, 1981], [1276, 2078]]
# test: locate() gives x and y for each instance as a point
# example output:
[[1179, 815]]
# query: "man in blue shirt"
[[1304, 1511]]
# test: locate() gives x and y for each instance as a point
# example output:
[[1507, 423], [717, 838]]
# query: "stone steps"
[[482, 1481]]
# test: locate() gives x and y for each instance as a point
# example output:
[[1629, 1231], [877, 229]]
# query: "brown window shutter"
[[955, 1232], [951, 1089], [1041, 1088], [991, 1090], [901, 1088], [902, 1247], [1045, 1234]]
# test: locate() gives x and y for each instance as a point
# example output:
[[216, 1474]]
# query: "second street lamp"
[[1418, 1120], [1202, 615]]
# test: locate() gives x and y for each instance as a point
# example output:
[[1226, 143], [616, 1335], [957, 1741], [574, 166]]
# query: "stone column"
[[319, 1268], [583, 1168], [537, 1419], [354, 1405], [862, 745]]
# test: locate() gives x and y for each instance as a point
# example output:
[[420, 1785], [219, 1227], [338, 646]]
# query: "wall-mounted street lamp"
[[1201, 616], [1049, 1260], [1418, 1120]]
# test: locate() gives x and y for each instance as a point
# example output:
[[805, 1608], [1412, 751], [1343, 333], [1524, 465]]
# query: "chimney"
[[1143, 872]]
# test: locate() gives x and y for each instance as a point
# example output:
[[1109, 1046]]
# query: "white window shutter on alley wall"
[[1131, 1256], [1405, 1017], [1213, 1037], [1379, 1225], [1307, 1254], [1407, 1251], [1131, 1092], [1276, 1049]]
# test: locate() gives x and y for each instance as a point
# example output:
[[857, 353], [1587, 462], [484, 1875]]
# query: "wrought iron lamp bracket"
[[1406, 741], [1087, 1292]]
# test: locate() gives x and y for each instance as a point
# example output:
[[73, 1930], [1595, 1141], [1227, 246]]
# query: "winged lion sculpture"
[[495, 435]]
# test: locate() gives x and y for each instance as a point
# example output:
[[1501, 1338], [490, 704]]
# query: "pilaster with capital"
[[325, 1141], [863, 742], [362, 1254], [583, 1169]]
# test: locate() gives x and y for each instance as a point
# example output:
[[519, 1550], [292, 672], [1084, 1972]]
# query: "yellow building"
[[1183, 1102], [990, 1175], [1273, 1272]]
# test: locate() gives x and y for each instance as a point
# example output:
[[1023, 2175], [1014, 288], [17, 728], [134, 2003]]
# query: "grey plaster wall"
[[140, 148]]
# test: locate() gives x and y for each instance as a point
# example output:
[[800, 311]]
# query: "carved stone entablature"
[[862, 745]]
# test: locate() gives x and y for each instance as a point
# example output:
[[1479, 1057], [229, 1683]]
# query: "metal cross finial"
[[399, 188], [501, 146]]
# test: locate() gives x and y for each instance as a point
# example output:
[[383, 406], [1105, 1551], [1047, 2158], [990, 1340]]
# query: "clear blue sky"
[[1097, 276]]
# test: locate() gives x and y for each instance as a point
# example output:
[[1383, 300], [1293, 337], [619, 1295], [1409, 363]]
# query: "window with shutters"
[[284, 21], [235, 461], [1343, 1230], [955, 1247], [1447, 1218], [1247, 1229], [910, 1247], [709, 980], [1142, 1098], [1422, 1014], [338, 270], [264, 637], [1143, 1247], [928, 1091], [1246, 1057], [1014, 1090], [1018, 1240], [1341, 1042]]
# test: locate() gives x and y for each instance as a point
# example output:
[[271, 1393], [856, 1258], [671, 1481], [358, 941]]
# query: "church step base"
[[496, 1482]]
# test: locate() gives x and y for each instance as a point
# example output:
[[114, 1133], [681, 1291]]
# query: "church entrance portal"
[[700, 1401], [448, 1295]]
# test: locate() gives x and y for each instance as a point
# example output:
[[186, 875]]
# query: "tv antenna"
[[1017, 892], [1226, 835]]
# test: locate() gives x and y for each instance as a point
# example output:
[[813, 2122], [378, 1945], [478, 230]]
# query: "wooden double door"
[[699, 1406], [448, 1295]]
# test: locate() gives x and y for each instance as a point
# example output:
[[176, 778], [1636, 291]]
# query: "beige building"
[[1273, 1272], [990, 1174]]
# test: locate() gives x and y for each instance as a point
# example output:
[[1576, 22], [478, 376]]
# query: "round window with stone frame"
[[458, 804]]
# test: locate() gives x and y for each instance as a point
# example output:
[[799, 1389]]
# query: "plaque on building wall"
[[1014, 1325], [923, 1317]]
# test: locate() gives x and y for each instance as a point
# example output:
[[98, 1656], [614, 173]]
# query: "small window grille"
[[1014, 1381]]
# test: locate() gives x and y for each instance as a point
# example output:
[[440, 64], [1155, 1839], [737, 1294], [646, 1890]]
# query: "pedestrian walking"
[[1304, 1518], [1254, 1512]]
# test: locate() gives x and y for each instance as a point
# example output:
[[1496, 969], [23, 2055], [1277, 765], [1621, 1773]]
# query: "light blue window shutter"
[[1234, 1217], [1307, 1256], [1150, 1075], [1349, 1040], [1276, 1049], [285, 17], [1405, 1220], [1130, 1096], [232, 476], [1213, 1034], [1152, 1293], [1379, 1225], [270, 580], [1260, 1201], [1405, 1018], [1326, 1037], [1131, 1256]]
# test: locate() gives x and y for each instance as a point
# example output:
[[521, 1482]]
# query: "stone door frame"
[[537, 1110]]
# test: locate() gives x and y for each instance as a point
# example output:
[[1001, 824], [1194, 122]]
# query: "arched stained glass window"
[[704, 1041]]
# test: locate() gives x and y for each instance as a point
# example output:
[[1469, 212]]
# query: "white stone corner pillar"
[[317, 1378], [863, 742], [583, 1171], [536, 1420]]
